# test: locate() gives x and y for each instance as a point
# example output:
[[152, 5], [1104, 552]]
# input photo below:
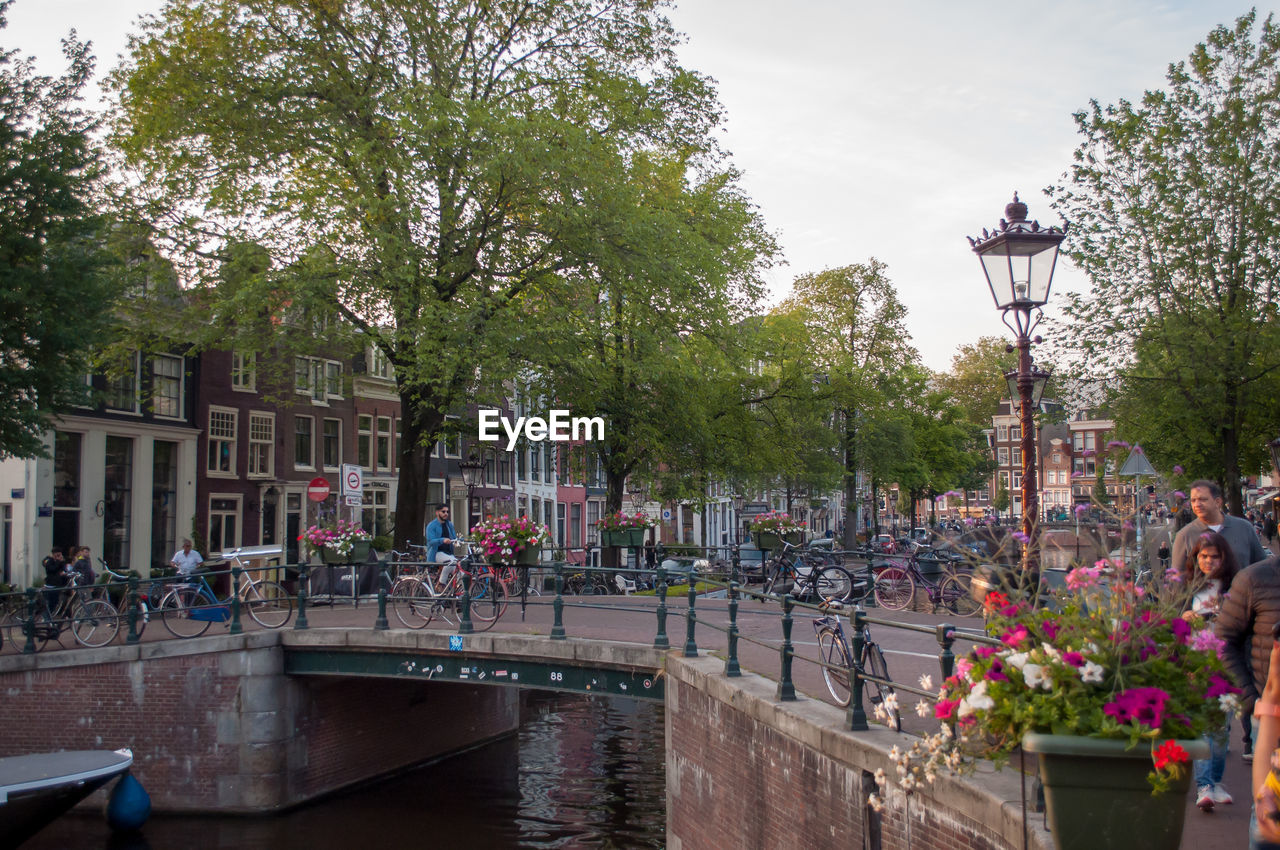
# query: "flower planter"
[[358, 555], [526, 557], [626, 537], [773, 541], [1097, 795]]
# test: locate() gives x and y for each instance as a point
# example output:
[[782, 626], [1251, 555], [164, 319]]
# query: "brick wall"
[[744, 770]]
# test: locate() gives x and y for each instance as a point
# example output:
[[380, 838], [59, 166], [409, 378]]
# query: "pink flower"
[[1015, 636], [945, 708], [1073, 658], [1181, 630], [1177, 469], [1219, 686], [1206, 641], [1144, 706]]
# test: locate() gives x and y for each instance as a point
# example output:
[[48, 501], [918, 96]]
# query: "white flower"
[[1229, 703], [881, 779], [922, 708], [874, 801], [978, 698], [1050, 651], [1091, 673], [926, 681], [1037, 676], [1017, 659]]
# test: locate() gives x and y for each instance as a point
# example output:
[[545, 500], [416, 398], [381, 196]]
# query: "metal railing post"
[[857, 715], [946, 658], [236, 626], [381, 624], [131, 599], [735, 564], [465, 626], [304, 577], [731, 667], [691, 622], [29, 627], [557, 605], [660, 640], [786, 688]]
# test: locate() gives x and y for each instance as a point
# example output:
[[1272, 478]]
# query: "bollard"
[[464, 620], [691, 621], [557, 606], [381, 624], [131, 599], [786, 688], [731, 667], [29, 627], [857, 716], [660, 640], [946, 658], [303, 577], [236, 627]]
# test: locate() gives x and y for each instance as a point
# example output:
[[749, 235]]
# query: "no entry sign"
[[318, 489]]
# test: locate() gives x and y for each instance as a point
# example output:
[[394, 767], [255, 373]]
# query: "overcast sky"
[[868, 129]]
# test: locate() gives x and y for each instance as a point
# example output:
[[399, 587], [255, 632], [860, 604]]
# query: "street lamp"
[[472, 476], [1039, 378], [637, 491], [1018, 259], [739, 505], [893, 511]]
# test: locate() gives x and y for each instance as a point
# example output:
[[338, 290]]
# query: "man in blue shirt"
[[440, 537]]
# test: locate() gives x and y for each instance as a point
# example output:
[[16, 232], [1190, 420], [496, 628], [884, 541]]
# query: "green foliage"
[[976, 378], [1001, 501], [1172, 207], [55, 288]]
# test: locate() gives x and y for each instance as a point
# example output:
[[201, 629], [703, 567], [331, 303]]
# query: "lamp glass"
[[472, 470], [1019, 268]]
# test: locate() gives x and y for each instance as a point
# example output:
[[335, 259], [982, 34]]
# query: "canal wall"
[[215, 724], [746, 770]]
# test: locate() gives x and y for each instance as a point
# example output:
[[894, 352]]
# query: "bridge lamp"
[[472, 476]]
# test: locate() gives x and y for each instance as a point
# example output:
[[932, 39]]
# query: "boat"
[[36, 789]]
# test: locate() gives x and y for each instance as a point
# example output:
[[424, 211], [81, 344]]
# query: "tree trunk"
[[421, 421], [850, 489]]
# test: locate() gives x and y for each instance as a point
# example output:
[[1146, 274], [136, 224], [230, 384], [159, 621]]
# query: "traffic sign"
[[352, 479], [353, 501], [666, 514], [318, 489]]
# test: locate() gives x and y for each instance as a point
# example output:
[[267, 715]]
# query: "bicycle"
[[416, 602], [811, 577], [895, 588], [838, 664], [191, 606], [93, 622], [148, 598]]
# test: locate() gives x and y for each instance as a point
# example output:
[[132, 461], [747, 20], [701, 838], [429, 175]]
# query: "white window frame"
[[262, 438], [379, 365], [1002, 455], [156, 378], [237, 513], [234, 440], [1002, 433], [378, 437], [338, 465], [366, 434], [333, 375], [137, 386], [310, 464], [244, 371]]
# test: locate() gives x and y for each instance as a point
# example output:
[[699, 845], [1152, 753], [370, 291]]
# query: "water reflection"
[[581, 772]]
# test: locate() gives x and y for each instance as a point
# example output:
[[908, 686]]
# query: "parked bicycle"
[[190, 607], [149, 595], [811, 577], [895, 588], [93, 622], [838, 666]]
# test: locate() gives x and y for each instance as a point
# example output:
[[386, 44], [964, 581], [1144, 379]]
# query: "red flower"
[[1169, 752], [995, 599]]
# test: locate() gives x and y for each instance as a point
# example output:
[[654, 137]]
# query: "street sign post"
[[318, 489]]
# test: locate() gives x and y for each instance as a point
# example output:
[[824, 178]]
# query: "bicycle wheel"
[[775, 575], [835, 670], [11, 634], [489, 604], [881, 695], [176, 609], [411, 602], [269, 604], [95, 623], [957, 597], [895, 588], [834, 583]]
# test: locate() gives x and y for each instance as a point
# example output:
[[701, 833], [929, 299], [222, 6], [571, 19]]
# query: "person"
[[186, 559], [1249, 612], [1264, 824], [1206, 504], [1163, 554], [1269, 528], [440, 539], [56, 576], [84, 566], [1209, 571]]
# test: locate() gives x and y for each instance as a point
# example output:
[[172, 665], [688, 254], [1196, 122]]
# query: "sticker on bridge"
[[455, 643]]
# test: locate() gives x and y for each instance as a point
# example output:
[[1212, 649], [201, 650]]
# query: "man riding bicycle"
[[440, 539]]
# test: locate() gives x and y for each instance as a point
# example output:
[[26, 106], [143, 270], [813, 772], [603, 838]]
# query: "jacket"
[[436, 532], [1250, 609], [1240, 533]]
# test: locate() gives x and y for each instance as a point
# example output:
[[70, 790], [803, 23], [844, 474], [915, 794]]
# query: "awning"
[[1267, 497]]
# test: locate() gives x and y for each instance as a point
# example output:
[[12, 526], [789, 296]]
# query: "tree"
[[420, 173], [56, 289], [976, 379], [1172, 208]]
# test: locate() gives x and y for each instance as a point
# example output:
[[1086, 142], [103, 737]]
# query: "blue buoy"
[[129, 806]]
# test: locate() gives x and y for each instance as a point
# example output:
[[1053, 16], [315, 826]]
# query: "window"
[[1002, 454], [1017, 480], [364, 438], [1077, 441], [522, 463], [1004, 480], [320, 379], [166, 386], [1002, 433], [333, 378], [262, 442], [379, 365], [575, 525], [383, 442], [1017, 456], [122, 390], [222, 441], [535, 466], [244, 371], [593, 516], [560, 521], [304, 442], [1057, 457], [549, 457], [453, 445], [375, 516], [1015, 433], [1089, 438], [332, 443], [224, 524]]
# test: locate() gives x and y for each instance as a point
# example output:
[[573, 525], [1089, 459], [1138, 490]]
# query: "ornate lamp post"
[[1018, 259], [893, 511], [739, 505], [472, 476], [1039, 378]]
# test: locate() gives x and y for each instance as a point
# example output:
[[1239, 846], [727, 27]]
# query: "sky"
[[870, 129]]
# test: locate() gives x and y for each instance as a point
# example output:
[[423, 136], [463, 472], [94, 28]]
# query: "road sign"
[[666, 514], [352, 501], [352, 480], [318, 489]]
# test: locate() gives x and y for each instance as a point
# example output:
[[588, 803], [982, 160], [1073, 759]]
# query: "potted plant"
[[772, 528], [1111, 688], [621, 529], [342, 542], [510, 540]]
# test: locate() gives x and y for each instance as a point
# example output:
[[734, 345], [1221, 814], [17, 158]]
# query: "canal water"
[[581, 772]]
